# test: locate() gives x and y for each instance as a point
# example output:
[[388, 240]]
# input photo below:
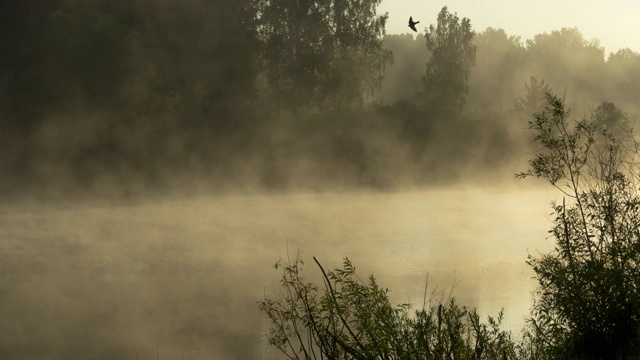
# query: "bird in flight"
[[412, 24]]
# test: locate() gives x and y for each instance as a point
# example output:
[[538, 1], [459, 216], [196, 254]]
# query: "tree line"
[[563, 58], [271, 94]]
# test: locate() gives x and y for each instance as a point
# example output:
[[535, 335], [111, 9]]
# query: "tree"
[[535, 99], [612, 120], [566, 57], [54, 53], [322, 54], [358, 58], [353, 319], [623, 76], [194, 58], [588, 303], [86, 52], [495, 77], [452, 56]]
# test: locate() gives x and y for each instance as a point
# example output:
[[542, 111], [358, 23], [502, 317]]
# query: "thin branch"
[[344, 322]]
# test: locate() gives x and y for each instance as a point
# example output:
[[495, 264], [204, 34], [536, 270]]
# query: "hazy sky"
[[615, 23]]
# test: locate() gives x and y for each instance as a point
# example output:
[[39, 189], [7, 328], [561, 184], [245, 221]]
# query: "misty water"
[[180, 278]]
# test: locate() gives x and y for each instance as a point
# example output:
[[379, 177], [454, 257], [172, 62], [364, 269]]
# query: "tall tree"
[[358, 57], [194, 58], [452, 56], [535, 99], [623, 76], [495, 77], [567, 60], [86, 52], [322, 54]]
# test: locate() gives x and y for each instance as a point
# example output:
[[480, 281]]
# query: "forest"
[[127, 98]]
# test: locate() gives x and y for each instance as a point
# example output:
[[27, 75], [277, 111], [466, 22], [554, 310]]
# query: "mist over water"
[[182, 277]]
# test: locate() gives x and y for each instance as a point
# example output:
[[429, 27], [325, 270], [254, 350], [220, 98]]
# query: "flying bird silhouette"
[[412, 24]]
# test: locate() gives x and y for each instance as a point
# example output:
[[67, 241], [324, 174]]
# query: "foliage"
[[55, 54], [607, 117], [93, 63], [534, 100], [322, 54], [193, 58], [566, 43], [623, 75], [566, 58], [146, 57], [588, 303], [452, 56], [497, 74], [142, 89], [349, 318]]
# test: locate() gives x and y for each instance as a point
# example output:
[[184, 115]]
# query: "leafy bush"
[[349, 318], [588, 303]]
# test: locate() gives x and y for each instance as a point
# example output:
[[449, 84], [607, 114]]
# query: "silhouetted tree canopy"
[[501, 61], [623, 76], [452, 56], [322, 54], [149, 88], [565, 58], [534, 100]]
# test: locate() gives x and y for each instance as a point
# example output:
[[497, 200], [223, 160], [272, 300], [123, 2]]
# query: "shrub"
[[348, 318], [588, 303]]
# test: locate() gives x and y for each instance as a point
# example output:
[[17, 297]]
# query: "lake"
[[180, 278]]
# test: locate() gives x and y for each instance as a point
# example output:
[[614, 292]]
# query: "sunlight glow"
[[613, 23]]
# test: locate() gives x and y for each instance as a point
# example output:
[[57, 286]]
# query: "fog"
[[182, 277], [157, 157]]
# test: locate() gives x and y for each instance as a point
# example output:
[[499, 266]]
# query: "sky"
[[616, 24]]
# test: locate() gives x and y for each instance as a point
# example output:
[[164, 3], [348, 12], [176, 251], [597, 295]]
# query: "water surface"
[[179, 279]]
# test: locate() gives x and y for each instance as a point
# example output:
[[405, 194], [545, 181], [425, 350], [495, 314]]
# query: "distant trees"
[[566, 59], [87, 52], [131, 86], [48, 54], [322, 54], [612, 121], [624, 65], [501, 61], [452, 56], [534, 100], [588, 303], [623, 77], [193, 58], [185, 75]]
